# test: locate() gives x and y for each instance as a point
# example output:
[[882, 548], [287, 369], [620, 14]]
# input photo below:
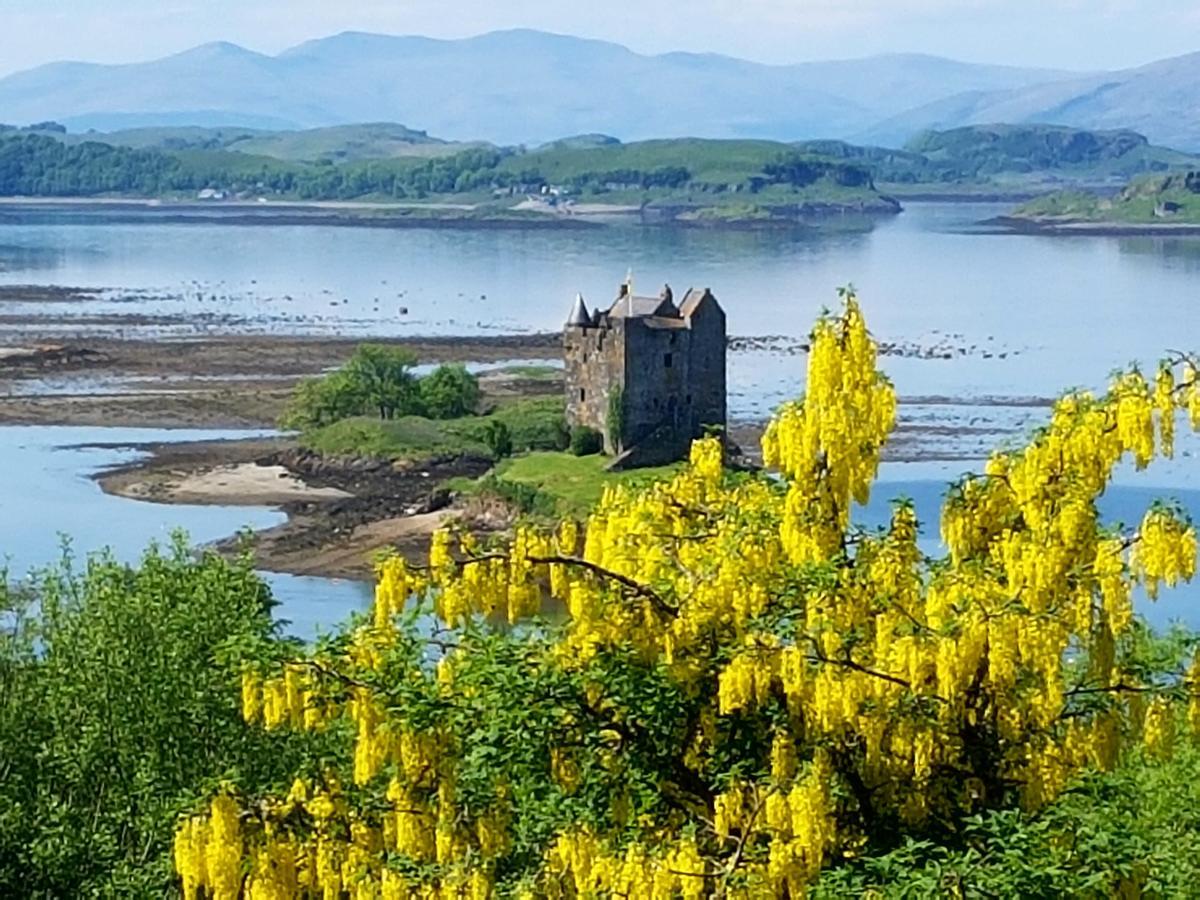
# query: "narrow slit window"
[[582, 394], [667, 360]]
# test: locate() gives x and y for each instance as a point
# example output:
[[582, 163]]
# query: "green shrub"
[[118, 707], [376, 381], [535, 424], [525, 498], [498, 439], [616, 418], [449, 392], [586, 441], [320, 401]]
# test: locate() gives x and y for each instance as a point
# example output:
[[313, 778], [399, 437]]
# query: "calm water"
[[1024, 316], [47, 496], [1065, 310]]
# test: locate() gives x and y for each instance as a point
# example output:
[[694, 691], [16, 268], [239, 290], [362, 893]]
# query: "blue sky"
[[1075, 34]]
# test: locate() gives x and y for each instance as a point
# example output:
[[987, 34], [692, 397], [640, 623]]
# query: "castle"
[[648, 374]]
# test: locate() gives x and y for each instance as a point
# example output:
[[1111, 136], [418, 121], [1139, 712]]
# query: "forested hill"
[[382, 162], [983, 150], [40, 165]]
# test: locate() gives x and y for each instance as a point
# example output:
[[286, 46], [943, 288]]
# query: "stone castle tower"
[[646, 373]]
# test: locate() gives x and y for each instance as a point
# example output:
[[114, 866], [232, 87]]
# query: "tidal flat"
[[130, 321]]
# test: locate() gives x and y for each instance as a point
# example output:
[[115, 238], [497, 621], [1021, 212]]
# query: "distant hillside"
[[382, 161], [1157, 100], [511, 87], [741, 179], [580, 142], [1152, 200], [693, 171], [530, 87], [338, 143], [983, 151]]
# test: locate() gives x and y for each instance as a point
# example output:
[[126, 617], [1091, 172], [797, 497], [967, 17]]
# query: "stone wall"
[[657, 381], [594, 365], [707, 366]]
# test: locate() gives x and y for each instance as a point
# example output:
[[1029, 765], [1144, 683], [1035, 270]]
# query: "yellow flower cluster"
[[336, 858], [208, 852], [580, 864], [481, 584], [868, 666], [288, 699], [829, 444], [1158, 732], [1165, 552]]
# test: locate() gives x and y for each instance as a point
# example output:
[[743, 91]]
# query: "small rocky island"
[[1149, 204]]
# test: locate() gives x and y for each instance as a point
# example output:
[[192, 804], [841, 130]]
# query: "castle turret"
[[579, 317]]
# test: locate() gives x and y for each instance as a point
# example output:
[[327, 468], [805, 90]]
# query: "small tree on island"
[[383, 380], [746, 689], [449, 391], [378, 381]]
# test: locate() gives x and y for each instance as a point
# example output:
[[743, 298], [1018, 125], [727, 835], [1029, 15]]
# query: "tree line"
[[37, 165]]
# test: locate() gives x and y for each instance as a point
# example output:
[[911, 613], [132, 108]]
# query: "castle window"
[[667, 360], [582, 394]]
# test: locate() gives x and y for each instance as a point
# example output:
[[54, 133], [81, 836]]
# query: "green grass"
[[542, 481], [530, 373], [1070, 204], [711, 161], [534, 424], [574, 484]]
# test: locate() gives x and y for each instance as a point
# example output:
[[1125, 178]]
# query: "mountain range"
[[526, 87]]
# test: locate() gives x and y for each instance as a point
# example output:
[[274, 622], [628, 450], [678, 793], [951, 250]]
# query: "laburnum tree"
[[718, 685]]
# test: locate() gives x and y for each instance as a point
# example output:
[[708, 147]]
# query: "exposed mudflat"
[[224, 381], [341, 512], [61, 368]]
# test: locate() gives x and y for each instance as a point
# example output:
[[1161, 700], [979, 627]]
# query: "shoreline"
[[341, 511], [393, 214], [1086, 228], [289, 213], [219, 381]]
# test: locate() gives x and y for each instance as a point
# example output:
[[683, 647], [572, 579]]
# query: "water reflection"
[[1181, 252], [15, 258]]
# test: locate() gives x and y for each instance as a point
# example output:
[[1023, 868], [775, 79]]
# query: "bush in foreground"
[[117, 710], [747, 693]]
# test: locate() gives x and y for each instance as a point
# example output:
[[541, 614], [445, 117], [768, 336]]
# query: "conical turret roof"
[[579, 313]]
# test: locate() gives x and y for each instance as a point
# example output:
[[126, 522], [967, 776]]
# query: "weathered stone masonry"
[[664, 363]]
